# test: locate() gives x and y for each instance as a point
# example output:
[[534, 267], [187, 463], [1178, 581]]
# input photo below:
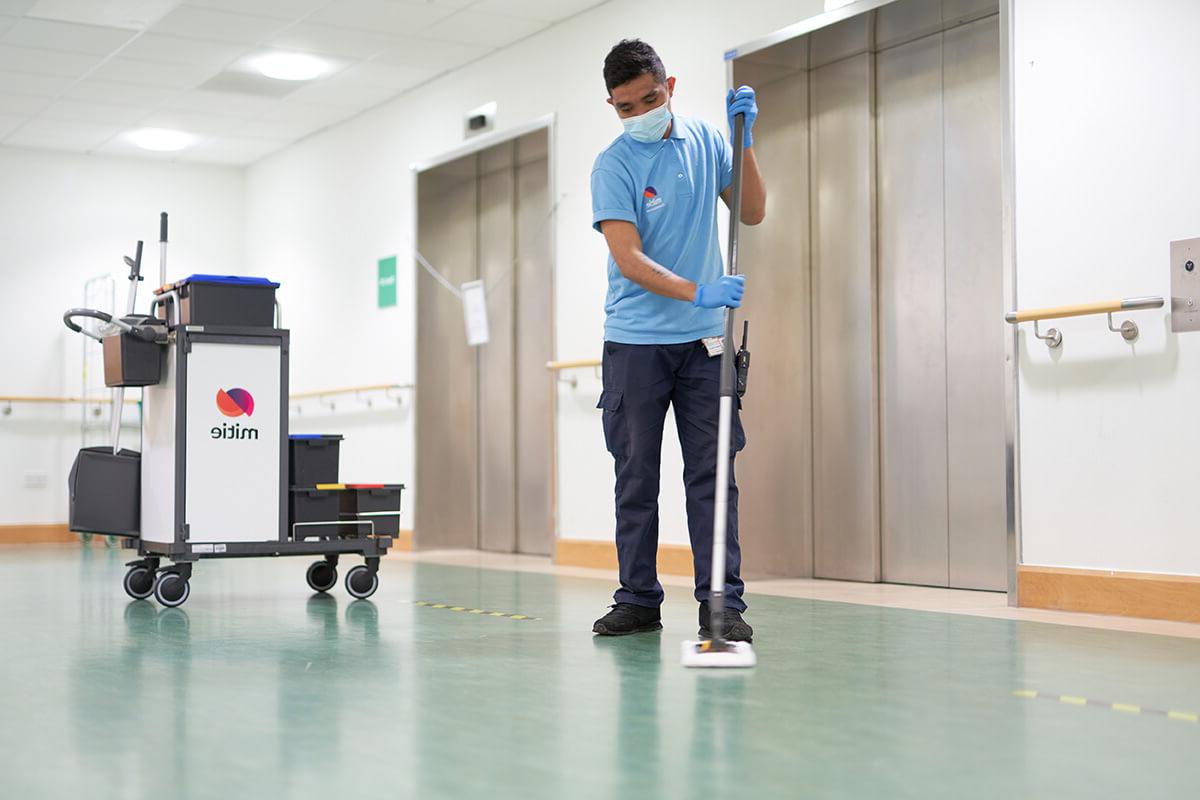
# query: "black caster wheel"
[[171, 590], [139, 582], [361, 582], [321, 576]]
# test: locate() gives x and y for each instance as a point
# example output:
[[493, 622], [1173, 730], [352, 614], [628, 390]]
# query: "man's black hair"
[[630, 58]]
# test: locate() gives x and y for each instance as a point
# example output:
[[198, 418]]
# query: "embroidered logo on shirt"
[[653, 201]]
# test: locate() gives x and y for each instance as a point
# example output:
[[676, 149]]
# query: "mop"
[[717, 652]]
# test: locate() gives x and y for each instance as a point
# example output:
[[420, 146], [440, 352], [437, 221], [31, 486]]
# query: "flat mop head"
[[726, 655]]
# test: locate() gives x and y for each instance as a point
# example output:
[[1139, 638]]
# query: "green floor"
[[256, 689]]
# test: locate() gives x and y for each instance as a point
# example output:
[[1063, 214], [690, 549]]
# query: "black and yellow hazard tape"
[[482, 612], [1122, 708]]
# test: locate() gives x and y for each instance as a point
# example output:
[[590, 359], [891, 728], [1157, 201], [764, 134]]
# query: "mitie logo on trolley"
[[234, 403]]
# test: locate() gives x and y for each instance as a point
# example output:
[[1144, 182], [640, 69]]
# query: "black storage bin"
[[226, 300], [377, 502], [313, 458], [314, 505], [131, 361], [106, 492]]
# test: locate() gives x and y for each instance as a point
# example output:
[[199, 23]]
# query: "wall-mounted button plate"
[[1185, 285]]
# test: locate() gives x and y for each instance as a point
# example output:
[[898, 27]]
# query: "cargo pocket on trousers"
[[615, 433]]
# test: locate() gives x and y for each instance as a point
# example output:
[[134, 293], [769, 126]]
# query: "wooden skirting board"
[[1125, 594], [673, 559], [36, 534], [58, 534]]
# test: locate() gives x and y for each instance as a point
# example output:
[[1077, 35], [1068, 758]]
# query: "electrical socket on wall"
[[36, 480]]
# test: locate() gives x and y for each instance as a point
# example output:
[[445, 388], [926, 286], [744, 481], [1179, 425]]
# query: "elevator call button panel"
[[1185, 285]]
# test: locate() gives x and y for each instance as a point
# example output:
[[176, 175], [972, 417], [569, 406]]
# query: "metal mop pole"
[[716, 593], [118, 409]]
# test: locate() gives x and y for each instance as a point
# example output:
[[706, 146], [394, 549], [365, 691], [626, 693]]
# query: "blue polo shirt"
[[669, 189]]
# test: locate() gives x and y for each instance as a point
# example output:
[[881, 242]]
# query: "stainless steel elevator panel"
[[845, 412], [975, 299], [535, 346], [446, 490], [912, 313], [775, 470], [497, 390]]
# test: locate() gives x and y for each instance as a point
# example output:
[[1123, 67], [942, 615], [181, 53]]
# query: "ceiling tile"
[[217, 26], [38, 85], [230, 150], [6, 23], [477, 27], [200, 124], [287, 129], [9, 123], [225, 103], [86, 39], [77, 136], [311, 37], [15, 8], [439, 56], [23, 104], [46, 62], [131, 15], [149, 73], [175, 50], [340, 92], [277, 9], [122, 94], [394, 17], [99, 113], [389, 76], [547, 10]]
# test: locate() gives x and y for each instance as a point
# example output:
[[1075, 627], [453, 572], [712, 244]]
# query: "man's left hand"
[[741, 101]]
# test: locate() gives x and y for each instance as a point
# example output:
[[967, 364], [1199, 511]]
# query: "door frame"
[[473, 146], [1007, 237]]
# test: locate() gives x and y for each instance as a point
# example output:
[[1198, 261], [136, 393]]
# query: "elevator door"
[[941, 346], [485, 414]]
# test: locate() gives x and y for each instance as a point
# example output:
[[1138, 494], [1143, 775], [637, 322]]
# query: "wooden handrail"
[[375, 387], [561, 365], [61, 400], [1083, 309]]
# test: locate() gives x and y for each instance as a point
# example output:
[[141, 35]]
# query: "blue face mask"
[[648, 127]]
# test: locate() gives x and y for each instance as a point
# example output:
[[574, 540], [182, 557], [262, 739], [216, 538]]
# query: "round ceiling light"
[[162, 140], [290, 66]]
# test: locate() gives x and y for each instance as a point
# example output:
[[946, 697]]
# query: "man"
[[654, 197]]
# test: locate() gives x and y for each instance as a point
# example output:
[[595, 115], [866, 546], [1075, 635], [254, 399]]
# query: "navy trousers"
[[640, 382]]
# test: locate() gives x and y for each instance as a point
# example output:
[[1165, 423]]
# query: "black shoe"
[[627, 618], [735, 628]]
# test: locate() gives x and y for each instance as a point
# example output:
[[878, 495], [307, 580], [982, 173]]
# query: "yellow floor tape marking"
[[483, 612], [1125, 708]]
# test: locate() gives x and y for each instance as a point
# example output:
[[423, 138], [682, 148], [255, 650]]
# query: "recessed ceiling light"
[[290, 66], [161, 140]]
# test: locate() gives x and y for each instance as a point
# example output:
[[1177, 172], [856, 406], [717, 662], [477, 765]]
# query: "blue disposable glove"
[[725, 293], [742, 102]]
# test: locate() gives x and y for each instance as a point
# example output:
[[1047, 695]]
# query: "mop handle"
[[716, 592], [162, 249]]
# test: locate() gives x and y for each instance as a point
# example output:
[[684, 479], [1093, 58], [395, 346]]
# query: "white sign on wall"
[[475, 311]]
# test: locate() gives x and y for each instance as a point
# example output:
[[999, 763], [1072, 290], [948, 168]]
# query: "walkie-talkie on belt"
[[742, 360]]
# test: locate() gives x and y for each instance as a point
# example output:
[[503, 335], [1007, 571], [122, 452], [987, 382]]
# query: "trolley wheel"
[[139, 582], [321, 576], [361, 582], [171, 590]]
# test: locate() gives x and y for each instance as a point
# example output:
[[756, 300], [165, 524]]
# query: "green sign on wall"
[[387, 282]]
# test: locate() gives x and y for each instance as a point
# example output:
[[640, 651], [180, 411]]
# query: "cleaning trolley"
[[217, 475]]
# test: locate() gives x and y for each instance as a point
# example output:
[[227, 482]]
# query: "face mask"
[[648, 127]]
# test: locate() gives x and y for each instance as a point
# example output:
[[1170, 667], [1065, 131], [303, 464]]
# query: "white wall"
[[322, 212], [1107, 114], [64, 219]]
